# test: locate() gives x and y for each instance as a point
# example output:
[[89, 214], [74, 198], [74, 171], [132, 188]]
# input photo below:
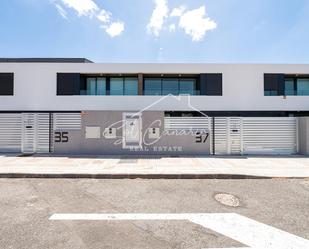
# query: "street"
[[28, 205]]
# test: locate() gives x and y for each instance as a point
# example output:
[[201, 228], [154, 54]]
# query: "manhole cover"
[[227, 200]]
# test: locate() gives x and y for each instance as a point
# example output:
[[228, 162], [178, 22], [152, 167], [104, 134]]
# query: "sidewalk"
[[153, 167]]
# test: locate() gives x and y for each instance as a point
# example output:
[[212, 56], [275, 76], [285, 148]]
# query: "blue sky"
[[218, 31]]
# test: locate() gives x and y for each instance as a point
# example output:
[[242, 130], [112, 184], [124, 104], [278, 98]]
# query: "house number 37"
[[201, 138]]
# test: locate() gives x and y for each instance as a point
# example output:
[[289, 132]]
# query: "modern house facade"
[[74, 106]]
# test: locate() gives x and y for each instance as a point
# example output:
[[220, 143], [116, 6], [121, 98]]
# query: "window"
[[152, 87], [303, 87], [174, 86], [130, 86], [187, 86], [123, 86], [94, 86], [116, 86], [289, 87], [170, 86], [101, 86], [91, 86]]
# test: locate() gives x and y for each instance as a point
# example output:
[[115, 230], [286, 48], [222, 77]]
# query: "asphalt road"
[[27, 204]]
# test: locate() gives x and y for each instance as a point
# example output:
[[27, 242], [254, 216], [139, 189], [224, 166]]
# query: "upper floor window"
[[109, 86], [94, 86], [297, 86], [123, 86], [174, 86], [288, 85], [72, 84]]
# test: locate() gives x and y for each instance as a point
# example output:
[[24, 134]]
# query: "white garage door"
[[269, 135]]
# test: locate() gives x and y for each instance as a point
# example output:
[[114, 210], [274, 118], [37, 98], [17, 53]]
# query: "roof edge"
[[45, 60]]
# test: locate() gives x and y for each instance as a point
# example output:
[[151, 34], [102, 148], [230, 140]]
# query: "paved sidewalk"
[[153, 167]]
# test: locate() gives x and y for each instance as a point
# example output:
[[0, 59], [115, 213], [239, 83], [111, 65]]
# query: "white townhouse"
[[74, 106]]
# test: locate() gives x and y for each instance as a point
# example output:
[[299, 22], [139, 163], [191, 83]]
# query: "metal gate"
[[227, 136], [35, 133], [270, 135], [10, 132]]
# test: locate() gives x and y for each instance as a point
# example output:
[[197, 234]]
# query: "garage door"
[[269, 135]]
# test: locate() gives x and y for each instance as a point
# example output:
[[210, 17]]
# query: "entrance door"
[[234, 136], [28, 133], [227, 136], [131, 131]]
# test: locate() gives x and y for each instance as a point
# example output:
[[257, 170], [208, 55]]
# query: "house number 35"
[[61, 137]]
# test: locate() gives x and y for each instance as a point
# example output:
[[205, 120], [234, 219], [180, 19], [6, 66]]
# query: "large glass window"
[[289, 87], [131, 86], [296, 86], [159, 86], [187, 86], [94, 86], [91, 86], [170, 86], [152, 87], [123, 86], [303, 87], [116, 86], [101, 86]]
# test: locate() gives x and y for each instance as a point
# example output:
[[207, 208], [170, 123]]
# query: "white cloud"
[[89, 9], [159, 14], [196, 24], [115, 29], [178, 11], [82, 7], [61, 11], [104, 16], [172, 28]]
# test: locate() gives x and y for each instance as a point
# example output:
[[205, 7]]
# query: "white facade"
[[243, 88]]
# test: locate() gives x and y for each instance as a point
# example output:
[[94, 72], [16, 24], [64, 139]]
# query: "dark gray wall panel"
[[6, 84], [274, 82], [211, 84], [68, 84]]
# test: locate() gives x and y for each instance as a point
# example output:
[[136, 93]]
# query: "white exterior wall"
[[243, 88]]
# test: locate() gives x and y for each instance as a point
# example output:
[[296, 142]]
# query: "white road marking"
[[247, 231]]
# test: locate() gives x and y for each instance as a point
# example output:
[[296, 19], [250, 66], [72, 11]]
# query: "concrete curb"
[[139, 176]]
